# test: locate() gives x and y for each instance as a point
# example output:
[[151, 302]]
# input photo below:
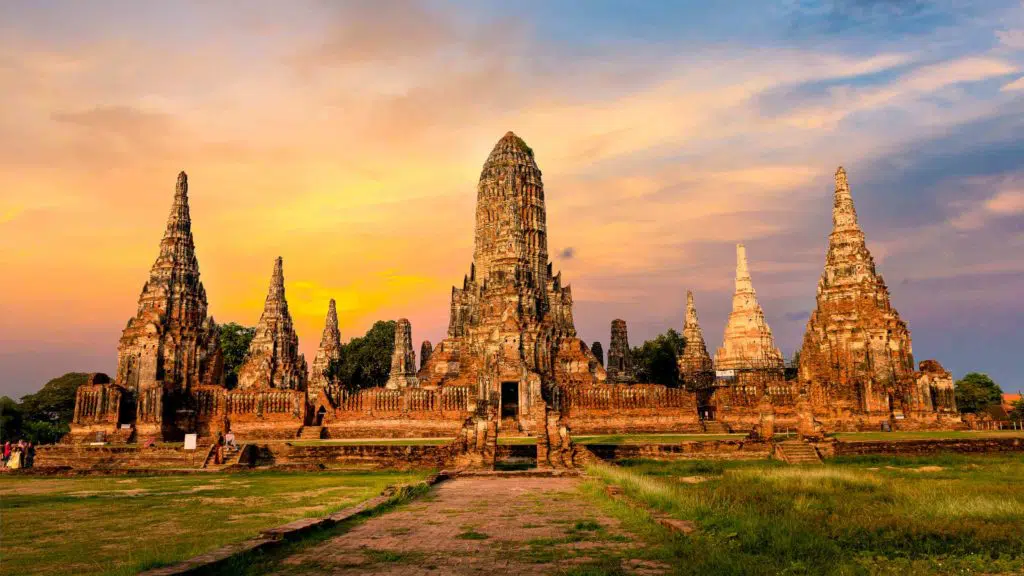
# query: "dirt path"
[[480, 525]]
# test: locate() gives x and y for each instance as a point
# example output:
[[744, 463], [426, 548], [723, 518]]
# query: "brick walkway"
[[480, 525]]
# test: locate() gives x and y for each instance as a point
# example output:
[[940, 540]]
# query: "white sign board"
[[725, 373], [190, 441]]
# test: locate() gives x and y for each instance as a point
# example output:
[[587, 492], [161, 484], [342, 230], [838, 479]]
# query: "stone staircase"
[[231, 456], [715, 427], [311, 433], [797, 452]]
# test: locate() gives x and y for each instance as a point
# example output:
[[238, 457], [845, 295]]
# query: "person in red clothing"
[[7, 452]]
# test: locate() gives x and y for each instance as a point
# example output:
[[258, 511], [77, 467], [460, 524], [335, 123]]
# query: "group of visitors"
[[18, 455], [224, 441]]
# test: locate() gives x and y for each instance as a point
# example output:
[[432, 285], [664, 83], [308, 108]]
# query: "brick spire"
[[273, 359], [171, 339], [844, 215], [748, 342], [856, 350], [695, 357], [330, 350]]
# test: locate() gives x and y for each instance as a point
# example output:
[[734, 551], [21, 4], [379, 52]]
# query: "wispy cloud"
[[348, 138]]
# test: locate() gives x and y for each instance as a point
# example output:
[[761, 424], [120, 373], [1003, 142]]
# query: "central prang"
[[511, 334]]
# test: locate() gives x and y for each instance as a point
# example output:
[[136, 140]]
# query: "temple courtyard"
[[934, 514]]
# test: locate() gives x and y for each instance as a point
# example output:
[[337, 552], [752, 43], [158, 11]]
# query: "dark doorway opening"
[[509, 400], [320, 416]]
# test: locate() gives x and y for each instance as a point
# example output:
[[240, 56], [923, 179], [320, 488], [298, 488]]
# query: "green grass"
[[949, 514], [927, 435], [121, 525], [472, 535]]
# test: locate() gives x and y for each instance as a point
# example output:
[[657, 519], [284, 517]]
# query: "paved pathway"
[[480, 525]]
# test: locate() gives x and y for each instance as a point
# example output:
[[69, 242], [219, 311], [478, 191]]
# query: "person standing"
[[30, 455], [7, 452], [15, 462]]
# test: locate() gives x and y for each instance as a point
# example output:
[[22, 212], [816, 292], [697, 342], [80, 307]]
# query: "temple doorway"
[[509, 400], [319, 421]]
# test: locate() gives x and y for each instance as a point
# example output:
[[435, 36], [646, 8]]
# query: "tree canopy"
[[975, 392], [655, 360], [1017, 412], [234, 343], [365, 362], [43, 417]]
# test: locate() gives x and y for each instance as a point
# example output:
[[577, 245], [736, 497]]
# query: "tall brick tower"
[[171, 342], [510, 334], [856, 353]]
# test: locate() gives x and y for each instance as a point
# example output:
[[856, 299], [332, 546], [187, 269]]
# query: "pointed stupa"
[[620, 358], [856, 350], [170, 341], [403, 359], [511, 305], [426, 349], [511, 233], [329, 350], [273, 359], [694, 362], [748, 342]]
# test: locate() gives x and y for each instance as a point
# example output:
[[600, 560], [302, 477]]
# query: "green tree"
[[10, 419], [365, 362], [655, 361], [234, 343], [1017, 413], [55, 401], [43, 417], [975, 392]]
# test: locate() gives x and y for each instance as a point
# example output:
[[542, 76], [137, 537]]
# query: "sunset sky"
[[347, 137]]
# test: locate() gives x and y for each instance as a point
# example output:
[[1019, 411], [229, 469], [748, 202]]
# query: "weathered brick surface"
[[403, 359], [923, 447], [273, 359], [856, 359], [620, 359], [511, 321], [748, 343], [695, 367], [329, 351]]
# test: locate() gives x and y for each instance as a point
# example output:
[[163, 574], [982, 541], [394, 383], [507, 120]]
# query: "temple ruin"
[[320, 379], [511, 361], [403, 359], [511, 336], [856, 360], [620, 358]]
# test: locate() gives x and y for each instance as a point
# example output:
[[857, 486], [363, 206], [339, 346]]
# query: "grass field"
[[120, 525], [945, 514]]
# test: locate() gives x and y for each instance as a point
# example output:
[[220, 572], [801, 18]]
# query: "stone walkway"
[[480, 525]]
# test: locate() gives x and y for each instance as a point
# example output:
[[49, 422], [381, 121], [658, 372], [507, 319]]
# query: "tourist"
[[7, 452], [30, 455], [230, 439], [15, 462]]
